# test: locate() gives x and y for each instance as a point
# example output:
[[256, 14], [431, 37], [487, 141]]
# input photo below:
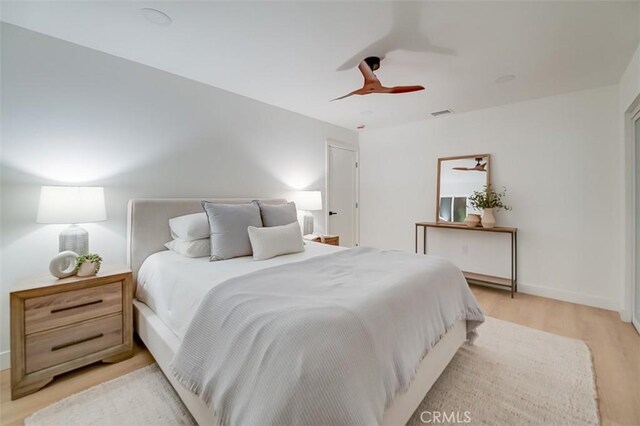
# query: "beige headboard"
[[148, 223]]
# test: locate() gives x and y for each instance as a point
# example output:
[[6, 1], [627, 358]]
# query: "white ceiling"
[[289, 54]]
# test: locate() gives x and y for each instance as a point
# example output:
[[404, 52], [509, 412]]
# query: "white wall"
[[560, 159], [71, 114], [629, 99], [629, 86]]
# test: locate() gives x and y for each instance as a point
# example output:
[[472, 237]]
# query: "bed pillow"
[[274, 241], [195, 248], [278, 214], [190, 227], [228, 225]]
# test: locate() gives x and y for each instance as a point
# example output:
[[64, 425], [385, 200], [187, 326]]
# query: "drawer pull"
[[95, 302], [77, 342]]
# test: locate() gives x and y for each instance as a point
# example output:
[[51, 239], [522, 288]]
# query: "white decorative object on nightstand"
[[64, 264]]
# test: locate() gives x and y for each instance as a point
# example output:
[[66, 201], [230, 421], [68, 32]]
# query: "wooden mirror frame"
[[460, 157]]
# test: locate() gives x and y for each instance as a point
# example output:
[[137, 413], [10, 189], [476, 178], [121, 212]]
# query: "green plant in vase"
[[487, 200], [88, 264]]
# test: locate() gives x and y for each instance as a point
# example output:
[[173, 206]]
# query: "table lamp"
[[72, 205], [308, 201]]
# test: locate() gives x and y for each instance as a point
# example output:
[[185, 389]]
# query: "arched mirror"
[[458, 178]]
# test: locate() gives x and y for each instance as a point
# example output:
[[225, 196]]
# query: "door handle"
[[332, 213]]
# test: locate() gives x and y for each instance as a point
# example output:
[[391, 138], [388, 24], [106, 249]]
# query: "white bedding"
[[173, 286], [330, 340]]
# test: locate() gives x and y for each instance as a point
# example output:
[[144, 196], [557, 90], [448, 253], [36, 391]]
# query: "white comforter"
[[173, 286], [329, 340]]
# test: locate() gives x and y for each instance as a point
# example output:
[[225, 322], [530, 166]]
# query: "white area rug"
[[513, 375]]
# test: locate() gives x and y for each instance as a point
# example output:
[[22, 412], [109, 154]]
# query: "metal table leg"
[[515, 256], [424, 240], [512, 266]]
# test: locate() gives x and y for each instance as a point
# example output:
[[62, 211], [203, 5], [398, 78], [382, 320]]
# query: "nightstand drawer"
[[49, 348], [68, 307]]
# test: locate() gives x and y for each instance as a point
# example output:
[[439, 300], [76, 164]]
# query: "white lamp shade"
[[308, 200], [71, 204]]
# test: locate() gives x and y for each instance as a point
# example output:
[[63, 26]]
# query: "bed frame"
[[148, 231]]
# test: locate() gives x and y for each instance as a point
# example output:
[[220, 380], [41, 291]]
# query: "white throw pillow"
[[274, 241], [190, 227], [195, 248]]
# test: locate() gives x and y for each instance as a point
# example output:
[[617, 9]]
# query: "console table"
[[512, 282]]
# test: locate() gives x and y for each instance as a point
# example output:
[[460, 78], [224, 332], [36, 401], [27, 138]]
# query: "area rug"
[[512, 375]]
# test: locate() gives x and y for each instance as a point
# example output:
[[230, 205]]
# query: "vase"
[[472, 220], [87, 269], [488, 220]]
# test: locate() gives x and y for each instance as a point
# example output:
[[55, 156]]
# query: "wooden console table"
[[512, 282]]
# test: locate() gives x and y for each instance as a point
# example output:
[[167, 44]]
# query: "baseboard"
[[5, 360], [625, 315], [570, 296]]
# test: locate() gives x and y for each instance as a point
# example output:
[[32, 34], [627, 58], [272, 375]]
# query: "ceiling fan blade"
[[373, 85], [360, 91], [405, 89], [342, 97]]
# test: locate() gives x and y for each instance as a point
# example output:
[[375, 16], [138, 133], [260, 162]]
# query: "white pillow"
[[195, 248], [190, 227], [274, 241]]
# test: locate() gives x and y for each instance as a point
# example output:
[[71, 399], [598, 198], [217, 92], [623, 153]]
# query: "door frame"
[[332, 143], [635, 250]]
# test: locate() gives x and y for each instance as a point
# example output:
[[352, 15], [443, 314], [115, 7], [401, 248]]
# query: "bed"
[[170, 287]]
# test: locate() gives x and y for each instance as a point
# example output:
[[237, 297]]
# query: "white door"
[[342, 180], [636, 302]]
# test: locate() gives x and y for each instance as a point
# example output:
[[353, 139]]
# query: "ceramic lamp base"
[[75, 239], [307, 224]]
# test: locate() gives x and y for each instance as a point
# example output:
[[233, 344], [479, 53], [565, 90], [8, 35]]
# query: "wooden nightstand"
[[60, 325], [333, 240]]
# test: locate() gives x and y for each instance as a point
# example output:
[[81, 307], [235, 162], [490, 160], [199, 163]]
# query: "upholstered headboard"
[[148, 223]]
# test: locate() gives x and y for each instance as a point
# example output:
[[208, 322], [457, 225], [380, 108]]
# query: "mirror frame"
[[459, 157]]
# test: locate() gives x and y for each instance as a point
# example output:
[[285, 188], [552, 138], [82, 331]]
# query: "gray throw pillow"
[[229, 223], [278, 214]]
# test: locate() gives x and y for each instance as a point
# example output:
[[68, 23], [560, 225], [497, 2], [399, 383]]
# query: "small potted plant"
[[88, 264], [487, 200]]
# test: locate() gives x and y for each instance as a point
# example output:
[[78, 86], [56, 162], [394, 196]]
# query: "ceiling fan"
[[479, 167], [372, 84]]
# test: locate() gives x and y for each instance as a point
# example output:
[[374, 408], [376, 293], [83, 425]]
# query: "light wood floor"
[[615, 347]]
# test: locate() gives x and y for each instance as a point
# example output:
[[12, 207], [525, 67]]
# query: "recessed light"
[[367, 112], [156, 16], [505, 78]]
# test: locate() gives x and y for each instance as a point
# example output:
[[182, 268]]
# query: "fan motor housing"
[[373, 62]]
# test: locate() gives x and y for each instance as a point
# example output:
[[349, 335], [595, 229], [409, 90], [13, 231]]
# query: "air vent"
[[441, 113]]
